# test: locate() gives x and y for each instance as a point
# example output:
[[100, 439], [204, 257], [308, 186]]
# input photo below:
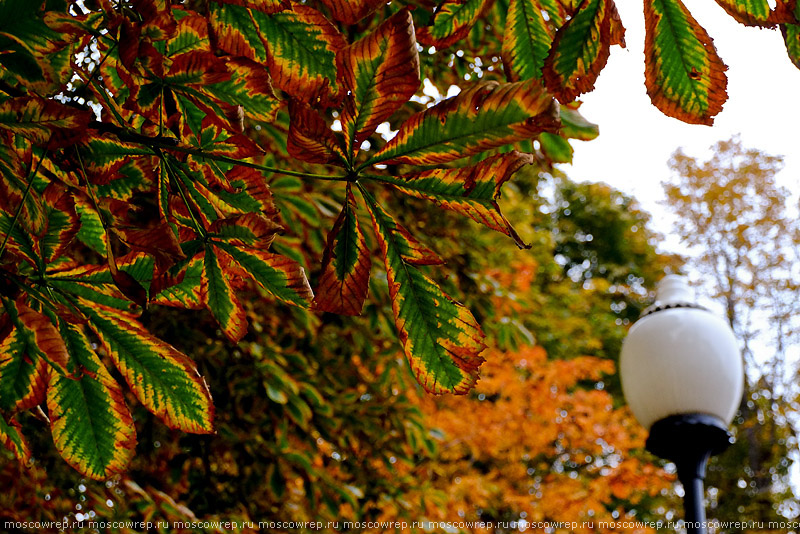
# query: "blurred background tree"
[[732, 215]]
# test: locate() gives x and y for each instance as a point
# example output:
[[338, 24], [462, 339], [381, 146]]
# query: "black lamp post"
[[682, 376]]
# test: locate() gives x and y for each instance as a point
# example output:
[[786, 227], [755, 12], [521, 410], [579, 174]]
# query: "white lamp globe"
[[680, 358]]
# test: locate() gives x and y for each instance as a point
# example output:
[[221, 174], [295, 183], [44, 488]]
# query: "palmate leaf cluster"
[[150, 157], [566, 45]]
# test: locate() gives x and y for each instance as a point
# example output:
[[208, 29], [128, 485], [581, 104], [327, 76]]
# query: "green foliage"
[[619, 248]]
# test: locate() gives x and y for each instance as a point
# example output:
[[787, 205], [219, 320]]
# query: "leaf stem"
[[275, 170], [102, 91], [379, 178], [91, 194], [170, 143], [197, 226]]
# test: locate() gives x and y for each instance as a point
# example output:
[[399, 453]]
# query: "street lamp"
[[682, 376]]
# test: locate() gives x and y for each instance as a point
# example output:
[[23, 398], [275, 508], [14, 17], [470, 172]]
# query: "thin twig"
[[170, 143], [171, 172]]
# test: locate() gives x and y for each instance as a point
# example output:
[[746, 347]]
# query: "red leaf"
[[45, 337], [44, 121], [351, 11], [158, 241], [310, 139], [255, 185], [249, 229], [267, 6], [346, 263], [130, 287]]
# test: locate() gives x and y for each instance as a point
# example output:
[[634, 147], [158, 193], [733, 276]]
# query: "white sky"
[[636, 139]]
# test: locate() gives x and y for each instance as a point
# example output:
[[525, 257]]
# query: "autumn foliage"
[[320, 420], [537, 447], [172, 169]]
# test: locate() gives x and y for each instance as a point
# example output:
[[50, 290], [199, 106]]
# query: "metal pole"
[[691, 472], [689, 440]]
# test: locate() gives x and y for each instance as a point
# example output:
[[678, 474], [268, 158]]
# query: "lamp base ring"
[[687, 436]]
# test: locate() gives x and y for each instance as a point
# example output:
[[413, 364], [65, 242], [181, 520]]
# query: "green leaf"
[[346, 263], [19, 240], [249, 88], [299, 411], [296, 204], [483, 117], [471, 191], [380, 73], [299, 459], [199, 195], [215, 139], [284, 278], [22, 63], [526, 40], [29, 46], [13, 440], [23, 20], [575, 126], [235, 32], [288, 184], [91, 231], [452, 22], [190, 34], [684, 76], [301, 47], [276, 394], [251, 190], [277, 483], [23, 376], [791, 36], [580, 50], [758, 12], [92, 427], [164, 380], [103, 293], [218, 296], [41, 338], [117, 169], [183, 290], [14, 179], [556, 148], [321, 406], [556, 10], [440, 337], [96, 283]]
